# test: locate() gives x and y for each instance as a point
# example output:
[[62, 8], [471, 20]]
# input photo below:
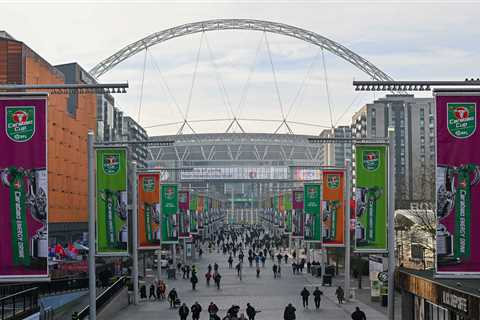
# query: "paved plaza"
[[266, 294]]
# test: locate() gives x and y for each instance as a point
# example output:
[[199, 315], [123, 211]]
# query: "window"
[[434, 312]]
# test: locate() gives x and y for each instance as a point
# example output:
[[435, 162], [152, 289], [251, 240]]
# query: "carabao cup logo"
[[461, 119], [148, 184], [20, 123], [371, 160], [169, 193], [111, 163], [333, 181]]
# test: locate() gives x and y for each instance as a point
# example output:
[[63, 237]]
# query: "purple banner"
[[183, 200], [23, 187], [297, 199], [458, 183]]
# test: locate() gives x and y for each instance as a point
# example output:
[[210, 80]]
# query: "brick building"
[[69, 119]]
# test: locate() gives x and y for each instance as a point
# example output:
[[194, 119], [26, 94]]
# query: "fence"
[[46, 287], [19, 305]]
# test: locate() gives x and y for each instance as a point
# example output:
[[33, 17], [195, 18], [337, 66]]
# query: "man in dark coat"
[[317, 296], [358, 314], [305, 294], [196, 309], [251, 312], [183, 312], [289, 313]]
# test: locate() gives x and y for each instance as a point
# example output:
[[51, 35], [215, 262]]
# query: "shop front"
[[427, 298]]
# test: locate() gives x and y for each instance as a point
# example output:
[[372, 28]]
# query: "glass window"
[[434, 312]]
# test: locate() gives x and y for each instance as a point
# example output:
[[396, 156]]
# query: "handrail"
[[19, 305], [104, 297], [45, 288]]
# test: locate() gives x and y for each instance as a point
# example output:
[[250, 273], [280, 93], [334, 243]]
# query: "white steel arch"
[[240, 24]]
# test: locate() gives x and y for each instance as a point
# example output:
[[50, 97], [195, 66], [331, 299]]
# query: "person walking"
[[286, 258], [196, 309], [217, 277], [212, 311], [279, 271], [358, 314], [289, 313], [152, 292], [305, 294], [194, 281], [258, 272], [172, 297], [183, 312], [274, 268], [340, 294], [317, 297], [208, 276], [251, 312], [230, 262]]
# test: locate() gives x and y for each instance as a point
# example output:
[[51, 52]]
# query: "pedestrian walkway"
[[266, 294]]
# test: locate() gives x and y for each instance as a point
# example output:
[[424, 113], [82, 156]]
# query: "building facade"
[[335, 154], [69, 120], [413, 120]]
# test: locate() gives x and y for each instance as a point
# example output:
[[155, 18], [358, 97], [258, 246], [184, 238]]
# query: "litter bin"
[[171, 273], [327, 280]]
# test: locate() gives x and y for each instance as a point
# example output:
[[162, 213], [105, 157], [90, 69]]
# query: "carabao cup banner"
[[111, 198], [193, 214], [169, 204], [23, 187], [313, 221], [333, 218], [457, 183], [149, 210], [184, 206], [298, 229], [371, 165]]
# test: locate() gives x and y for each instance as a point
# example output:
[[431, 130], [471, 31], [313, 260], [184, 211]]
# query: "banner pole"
[[92, 289], [135, 234], [159, 252], [391, 222], [347, 229]]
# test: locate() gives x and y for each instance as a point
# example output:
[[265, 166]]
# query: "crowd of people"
[[255, 245]]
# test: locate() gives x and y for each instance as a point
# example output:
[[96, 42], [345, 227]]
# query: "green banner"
[[275, 201], [313, 222], [371, 165], [169, 205], [288, 224], [111, 198]]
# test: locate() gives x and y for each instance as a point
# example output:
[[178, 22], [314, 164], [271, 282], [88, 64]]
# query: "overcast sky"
[[409, 40]]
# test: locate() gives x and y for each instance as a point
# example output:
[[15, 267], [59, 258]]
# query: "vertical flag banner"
[[281, 210], [313, 221], [184, 206], [333, 218], [193, 214], [111, 197], [200, 209], [23, 187], [169, 204], [287, 200], [458, 183], [298, 229], [148, 210], [371, 165]]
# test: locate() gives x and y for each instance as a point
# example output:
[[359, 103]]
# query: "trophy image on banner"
[[28, 198], [454, 198], [115, 206], [366, 214]]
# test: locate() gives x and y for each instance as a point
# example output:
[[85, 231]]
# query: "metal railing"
[[19, 305], [103, 298], [47, 287]]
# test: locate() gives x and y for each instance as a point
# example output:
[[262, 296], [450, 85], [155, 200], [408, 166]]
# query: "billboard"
[[148, 210], [236, 173], [333, 208], [297, 215], [311, 204], [111, 199], [23, 187], [371, 165], [457, 183], [184, 215], [169, 214]]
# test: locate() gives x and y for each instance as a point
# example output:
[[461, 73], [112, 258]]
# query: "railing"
[[47, 287], [19, 305], [103, 298]]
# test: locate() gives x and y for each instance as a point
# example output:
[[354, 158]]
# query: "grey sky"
[[414, 40]]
